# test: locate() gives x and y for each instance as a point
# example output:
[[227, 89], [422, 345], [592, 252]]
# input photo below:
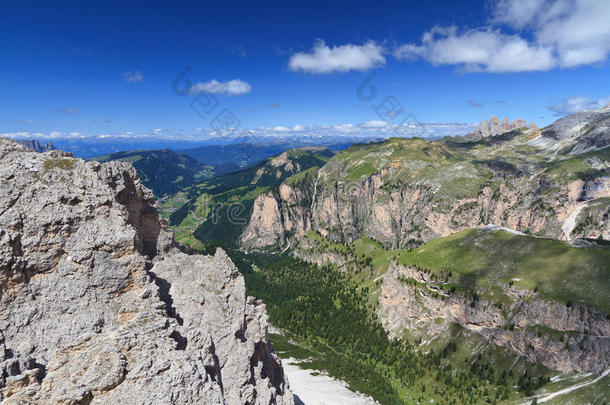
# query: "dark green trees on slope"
[[164, 171]]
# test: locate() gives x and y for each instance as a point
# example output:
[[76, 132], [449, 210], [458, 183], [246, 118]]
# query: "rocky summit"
[[495, 127], [99, 306]]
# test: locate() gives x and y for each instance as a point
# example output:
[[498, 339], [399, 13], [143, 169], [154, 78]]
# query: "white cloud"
[[546, 34], [133, 77], [233, 87], [581, 35], [479, 50], [345, 127], [517, 13], [375, 124], [343, 58], [370, 130], [578, 103]]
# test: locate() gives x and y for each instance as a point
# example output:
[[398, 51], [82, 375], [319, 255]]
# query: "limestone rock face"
[[37, 146], [579, 342], [345, 211], [98, 306]]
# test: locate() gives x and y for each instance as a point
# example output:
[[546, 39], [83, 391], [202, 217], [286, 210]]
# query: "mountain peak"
[[495, 127], [36, 146]]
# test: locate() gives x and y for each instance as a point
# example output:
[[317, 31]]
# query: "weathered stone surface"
[[579, 342], [577, 133], [344, 212], [97, 305]]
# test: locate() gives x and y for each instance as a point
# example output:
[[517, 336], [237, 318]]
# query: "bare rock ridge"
[[343, 212], [495, 127], [578, 133], [98, 306]]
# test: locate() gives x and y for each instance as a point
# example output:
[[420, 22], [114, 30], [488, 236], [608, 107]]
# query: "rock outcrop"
[[37, 147], [495, 127], [563, 338], [98, 306]]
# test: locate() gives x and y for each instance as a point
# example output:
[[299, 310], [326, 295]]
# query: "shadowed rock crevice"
[[142, 215], [181, 341], [166, 297]]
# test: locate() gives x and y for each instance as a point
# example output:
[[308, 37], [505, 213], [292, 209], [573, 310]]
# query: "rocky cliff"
[[403, 199], [37, 147], [563, 338], [97, 306]]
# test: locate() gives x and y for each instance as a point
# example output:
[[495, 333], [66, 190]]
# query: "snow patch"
[[321, 389], [492, 227]]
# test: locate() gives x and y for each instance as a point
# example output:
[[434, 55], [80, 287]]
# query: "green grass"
[[59, 163], [365, 169], [572, 168], [597, 393], [300, 177], [483, 258]]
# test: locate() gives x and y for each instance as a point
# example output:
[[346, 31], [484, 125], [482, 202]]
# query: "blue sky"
[[107, 68]]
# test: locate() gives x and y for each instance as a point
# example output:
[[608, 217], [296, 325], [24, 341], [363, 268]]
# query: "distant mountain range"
[[243, 149], [249, 150]]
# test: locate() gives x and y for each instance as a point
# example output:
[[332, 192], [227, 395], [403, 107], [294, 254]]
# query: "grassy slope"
[[484, 258], [459, 169]]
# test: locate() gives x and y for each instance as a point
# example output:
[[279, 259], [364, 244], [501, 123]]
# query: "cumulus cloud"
[[233, 87], [375, 124], [476, 50], [578, 103], [133, 77], [324, 59], [545, 34], [280, 129]]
